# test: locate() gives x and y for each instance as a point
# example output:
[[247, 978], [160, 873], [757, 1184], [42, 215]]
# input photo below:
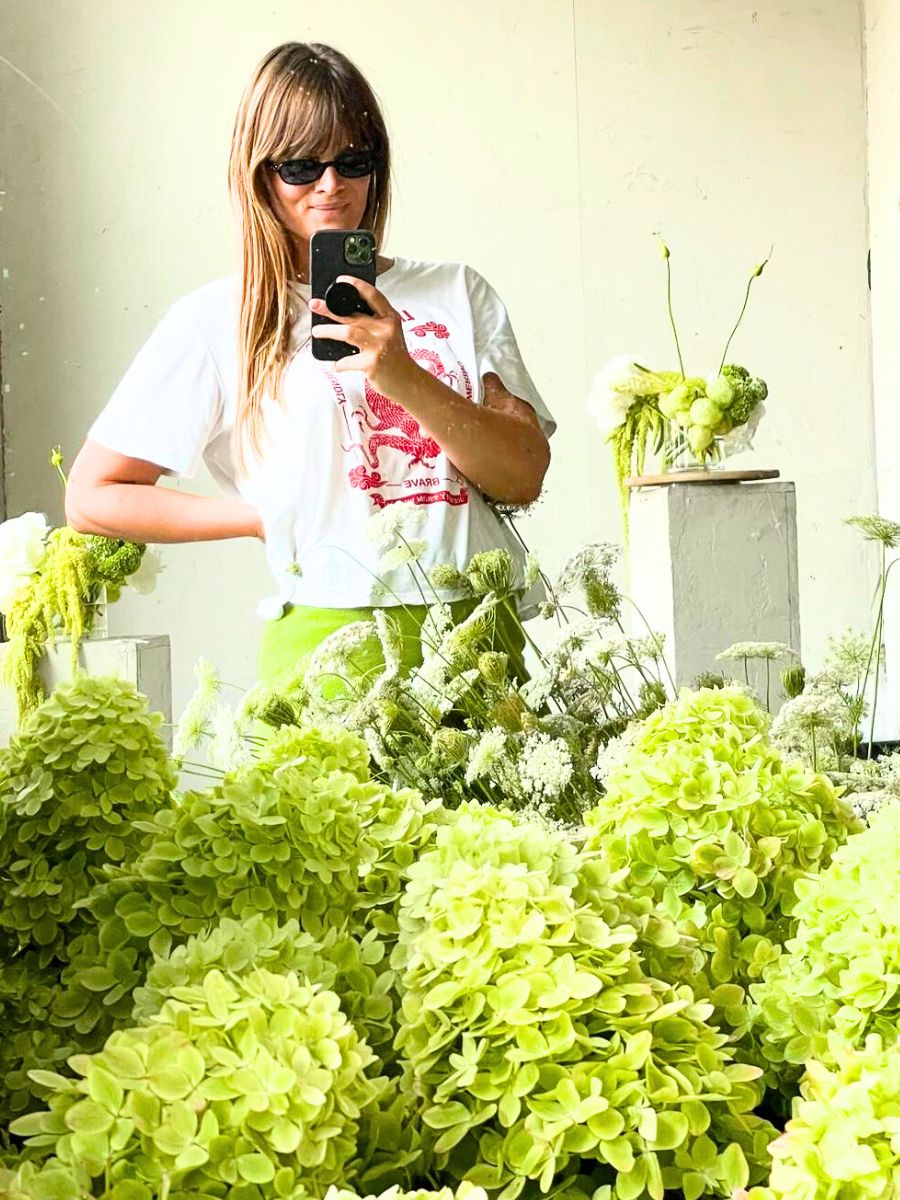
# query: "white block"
[[144, 661], [714, 564]]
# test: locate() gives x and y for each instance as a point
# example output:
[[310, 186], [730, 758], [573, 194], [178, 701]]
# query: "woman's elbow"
[[77, 515], [534, 483]]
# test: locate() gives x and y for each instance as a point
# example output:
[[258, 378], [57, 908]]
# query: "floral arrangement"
[[51, 583], [301, 977], [641, 410], [456, 931]]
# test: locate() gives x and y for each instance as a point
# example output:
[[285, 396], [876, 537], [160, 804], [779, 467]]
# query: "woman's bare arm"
[[115, 495]]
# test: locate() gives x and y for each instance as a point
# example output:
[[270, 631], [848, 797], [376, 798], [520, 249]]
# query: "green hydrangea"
[[258, 1079], [78, 783], [706, 820], [841, 971], [536, 1039], [353, 968], [298, 833], [842, 1141], [465, 1191]]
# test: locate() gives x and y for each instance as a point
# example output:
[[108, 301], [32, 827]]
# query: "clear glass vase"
[[678, 455], [96, 617]]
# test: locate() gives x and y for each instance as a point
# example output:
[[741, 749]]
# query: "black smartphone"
[[334, 252]]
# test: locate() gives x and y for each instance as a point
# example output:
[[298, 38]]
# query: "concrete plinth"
[[714, 564], [144, 661]]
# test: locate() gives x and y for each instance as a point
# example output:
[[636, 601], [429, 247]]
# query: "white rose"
[[614, 389], [622, 374], [22, 550], [608, 408], [143, 580]]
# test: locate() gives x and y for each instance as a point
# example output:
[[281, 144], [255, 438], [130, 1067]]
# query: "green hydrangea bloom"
[[240, 1080], [78, 783], [707, 821], [841, 971], [841, 1142], [535, 1037]]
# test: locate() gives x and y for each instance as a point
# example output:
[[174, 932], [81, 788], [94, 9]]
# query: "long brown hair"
[[302, 99]]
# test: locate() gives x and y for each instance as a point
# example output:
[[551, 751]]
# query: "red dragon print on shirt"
[[382, 431]]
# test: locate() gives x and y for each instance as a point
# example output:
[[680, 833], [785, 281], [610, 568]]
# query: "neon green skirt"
[[288, 643]]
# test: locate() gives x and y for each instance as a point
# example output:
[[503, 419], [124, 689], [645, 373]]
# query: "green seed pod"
[[450, 746], [793, 680], [492, 667]]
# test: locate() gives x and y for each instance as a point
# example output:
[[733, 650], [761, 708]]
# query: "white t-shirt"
[[336, 450]]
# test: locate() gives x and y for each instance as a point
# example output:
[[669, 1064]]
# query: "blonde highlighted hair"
[[302, 100]]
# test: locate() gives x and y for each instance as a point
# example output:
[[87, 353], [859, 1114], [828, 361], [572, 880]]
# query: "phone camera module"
[[358, 250]]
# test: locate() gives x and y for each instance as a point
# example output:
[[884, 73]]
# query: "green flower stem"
[[650, 630], [543, 577], [768, 681], [672, 315], [757, 271], [635, 661], [622, 687], [203, 771], [390, 591], [876, 647], [412, 564]]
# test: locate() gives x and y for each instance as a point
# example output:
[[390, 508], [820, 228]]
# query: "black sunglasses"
[[352, 165]]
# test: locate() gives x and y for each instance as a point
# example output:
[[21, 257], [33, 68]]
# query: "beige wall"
[[543, 141]]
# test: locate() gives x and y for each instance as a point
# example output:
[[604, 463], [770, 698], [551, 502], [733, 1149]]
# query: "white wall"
[[544, 142], [883, 93]]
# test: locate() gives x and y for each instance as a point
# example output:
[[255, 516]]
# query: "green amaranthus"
[[63, 594], [62, 597]]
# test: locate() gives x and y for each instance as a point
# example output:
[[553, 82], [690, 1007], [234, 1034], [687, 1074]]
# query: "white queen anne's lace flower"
[[228, 751], [391, 637], [740, 650], [400, 556], [615, 753], [486, 755], [195, 719], [545, 766], [397, 521]]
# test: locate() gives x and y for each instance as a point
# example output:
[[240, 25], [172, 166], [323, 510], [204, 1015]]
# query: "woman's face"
[[332, 202]]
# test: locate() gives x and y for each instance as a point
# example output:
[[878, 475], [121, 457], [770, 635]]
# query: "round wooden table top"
[[699, 476]]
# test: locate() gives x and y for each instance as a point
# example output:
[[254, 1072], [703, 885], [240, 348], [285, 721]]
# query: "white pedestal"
[[714, 564], [143, 661]]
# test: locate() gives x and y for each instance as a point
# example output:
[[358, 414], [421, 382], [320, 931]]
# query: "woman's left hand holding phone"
[[383, 356]]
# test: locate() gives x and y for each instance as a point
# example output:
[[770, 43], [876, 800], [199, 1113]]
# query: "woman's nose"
[[330, 180]]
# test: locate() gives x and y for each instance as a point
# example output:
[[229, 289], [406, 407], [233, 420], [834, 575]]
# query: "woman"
[[434, 413]]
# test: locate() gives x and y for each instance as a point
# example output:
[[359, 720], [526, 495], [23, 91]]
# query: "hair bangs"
[[318, 119]]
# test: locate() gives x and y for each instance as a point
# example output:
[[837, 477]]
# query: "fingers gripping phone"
[[334, 252]]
